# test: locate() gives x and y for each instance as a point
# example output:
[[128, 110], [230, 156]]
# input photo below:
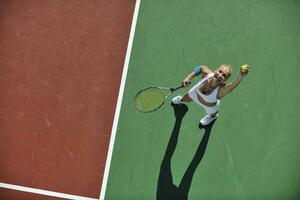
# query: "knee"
[[186, 98]]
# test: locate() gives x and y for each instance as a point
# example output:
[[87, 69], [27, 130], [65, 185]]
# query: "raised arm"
[[201, 69], [229, 87]]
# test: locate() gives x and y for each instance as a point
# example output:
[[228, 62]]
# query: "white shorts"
[[209, 110]]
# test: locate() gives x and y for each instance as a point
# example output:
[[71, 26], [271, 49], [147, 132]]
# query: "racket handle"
[[178, 87]]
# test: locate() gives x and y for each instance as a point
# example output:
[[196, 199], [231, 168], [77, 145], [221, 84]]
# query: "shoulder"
[[222, 85], [205, 70]]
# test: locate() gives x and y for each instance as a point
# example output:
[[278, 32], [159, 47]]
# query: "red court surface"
[[12, 194], [60, 70]]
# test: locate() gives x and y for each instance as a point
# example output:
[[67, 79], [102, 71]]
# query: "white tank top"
[[212, 97]]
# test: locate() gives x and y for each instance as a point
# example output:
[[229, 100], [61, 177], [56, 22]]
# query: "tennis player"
[[210, 89]]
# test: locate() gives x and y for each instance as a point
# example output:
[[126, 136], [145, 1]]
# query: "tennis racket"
[[152, 98]]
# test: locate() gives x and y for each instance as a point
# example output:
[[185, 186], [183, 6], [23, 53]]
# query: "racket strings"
[[150, 99]]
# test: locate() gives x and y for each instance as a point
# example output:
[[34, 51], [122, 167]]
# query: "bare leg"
[[186, 98], [178, 99]]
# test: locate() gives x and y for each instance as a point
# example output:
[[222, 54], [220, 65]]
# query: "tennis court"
[[83, 137], [61, 67], [253, 146]]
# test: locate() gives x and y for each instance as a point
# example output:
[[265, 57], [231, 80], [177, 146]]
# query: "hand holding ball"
[[245, 69]]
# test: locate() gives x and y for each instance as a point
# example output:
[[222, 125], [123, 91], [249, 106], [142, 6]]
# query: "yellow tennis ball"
[[244, 68]]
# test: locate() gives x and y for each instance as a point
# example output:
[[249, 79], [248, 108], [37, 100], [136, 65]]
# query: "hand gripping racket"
[[152, 98]]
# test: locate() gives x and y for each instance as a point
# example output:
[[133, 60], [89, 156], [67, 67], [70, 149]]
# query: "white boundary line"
[[43, 192], [120, 97]]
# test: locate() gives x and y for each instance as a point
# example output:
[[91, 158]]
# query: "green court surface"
[[253, 149]]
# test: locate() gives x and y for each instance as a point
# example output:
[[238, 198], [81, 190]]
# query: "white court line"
[[119, 102], [43, 192]]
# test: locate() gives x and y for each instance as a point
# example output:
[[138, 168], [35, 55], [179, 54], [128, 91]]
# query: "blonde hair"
[[228, 67]]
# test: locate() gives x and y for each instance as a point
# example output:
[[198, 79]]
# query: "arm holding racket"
[[187, 81], [152, 98], [201, 69]]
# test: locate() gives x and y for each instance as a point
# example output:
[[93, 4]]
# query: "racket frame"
[[167, 92]]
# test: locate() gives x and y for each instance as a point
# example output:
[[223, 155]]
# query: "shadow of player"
[[166, 190]]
